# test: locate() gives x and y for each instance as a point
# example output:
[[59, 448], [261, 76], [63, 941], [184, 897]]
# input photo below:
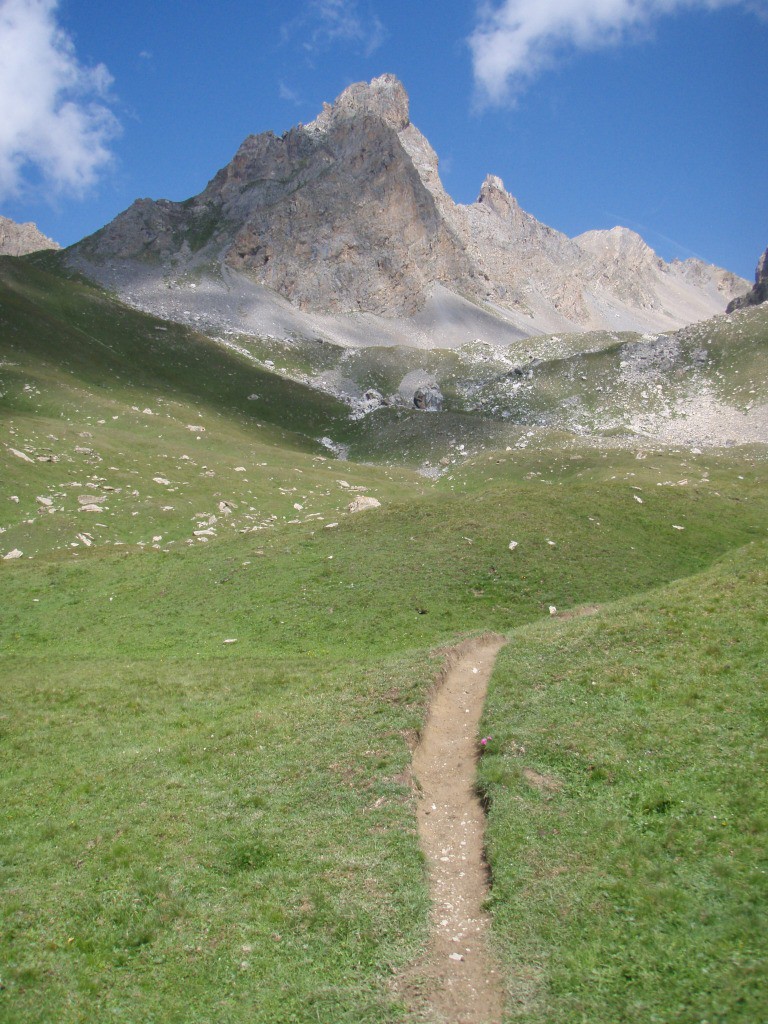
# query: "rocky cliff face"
[[347, 215], [20, 239], [759, 291], [332, 215]]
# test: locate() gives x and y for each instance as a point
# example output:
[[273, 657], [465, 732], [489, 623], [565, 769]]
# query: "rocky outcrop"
[[759, 291], [347, 215], [363, 504], [20, 239]]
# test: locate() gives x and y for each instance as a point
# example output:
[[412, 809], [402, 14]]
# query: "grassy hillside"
[[212, 680], [157, 423], [627, 807]]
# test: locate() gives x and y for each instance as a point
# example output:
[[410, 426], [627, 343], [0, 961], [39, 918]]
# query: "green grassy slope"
[[204, 840], [412, 573], [206, 735], [62, 324], [627, 807], [157, 423]]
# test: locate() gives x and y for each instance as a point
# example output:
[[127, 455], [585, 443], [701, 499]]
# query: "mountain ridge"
[[347, 217], [21, 239]]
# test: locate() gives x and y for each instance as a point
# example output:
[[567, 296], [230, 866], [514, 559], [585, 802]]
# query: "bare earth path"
[[458, 983]]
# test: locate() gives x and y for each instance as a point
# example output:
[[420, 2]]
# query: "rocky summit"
[[20, 239], [759, 291], [342, 229]]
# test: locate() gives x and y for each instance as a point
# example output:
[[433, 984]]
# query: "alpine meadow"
[[279, 461]]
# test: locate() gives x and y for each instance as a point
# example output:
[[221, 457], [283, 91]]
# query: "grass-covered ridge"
[[62, 326], [627, 807], [211, 682]]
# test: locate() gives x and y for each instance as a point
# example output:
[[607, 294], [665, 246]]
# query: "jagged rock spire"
[[384, 97]]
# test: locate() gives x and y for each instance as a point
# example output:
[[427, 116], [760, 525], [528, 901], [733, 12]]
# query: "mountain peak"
[[20, 239], [347, 216], [495, 196], [492, 183], [384, 97], [614, 241]]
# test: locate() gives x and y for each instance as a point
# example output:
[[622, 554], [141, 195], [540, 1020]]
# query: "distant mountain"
[[342, 228], [20, 239], [759, 291]]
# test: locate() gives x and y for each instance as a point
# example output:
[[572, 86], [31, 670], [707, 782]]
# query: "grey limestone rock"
[[759, 291], [20, 239], [363, 503], [430, 399], [347, 216]]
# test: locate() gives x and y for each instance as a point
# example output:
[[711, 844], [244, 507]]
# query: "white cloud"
[[287, 93], [325, 23], [516, 39], [55, 126]]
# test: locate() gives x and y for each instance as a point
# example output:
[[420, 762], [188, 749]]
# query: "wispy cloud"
[[652, 236], [285, 92], [325, 23], [515, 40], [56, 125]]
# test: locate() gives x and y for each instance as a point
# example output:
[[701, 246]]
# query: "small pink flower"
[[485, 740]]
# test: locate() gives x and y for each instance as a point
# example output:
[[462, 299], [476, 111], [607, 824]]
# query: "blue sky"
[[646, 113]]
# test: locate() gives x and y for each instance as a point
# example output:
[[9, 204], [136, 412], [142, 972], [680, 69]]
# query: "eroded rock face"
[[20, 239], [347, 214], [332, 215], [759, 291], [350, 226]]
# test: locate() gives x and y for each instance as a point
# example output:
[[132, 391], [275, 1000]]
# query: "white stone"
[[363, 503], [20, 455]]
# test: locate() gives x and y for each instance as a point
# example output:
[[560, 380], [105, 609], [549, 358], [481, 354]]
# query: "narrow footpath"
[[458, 983]]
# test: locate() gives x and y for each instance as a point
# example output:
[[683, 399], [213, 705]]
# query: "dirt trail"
[[458, 982]]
